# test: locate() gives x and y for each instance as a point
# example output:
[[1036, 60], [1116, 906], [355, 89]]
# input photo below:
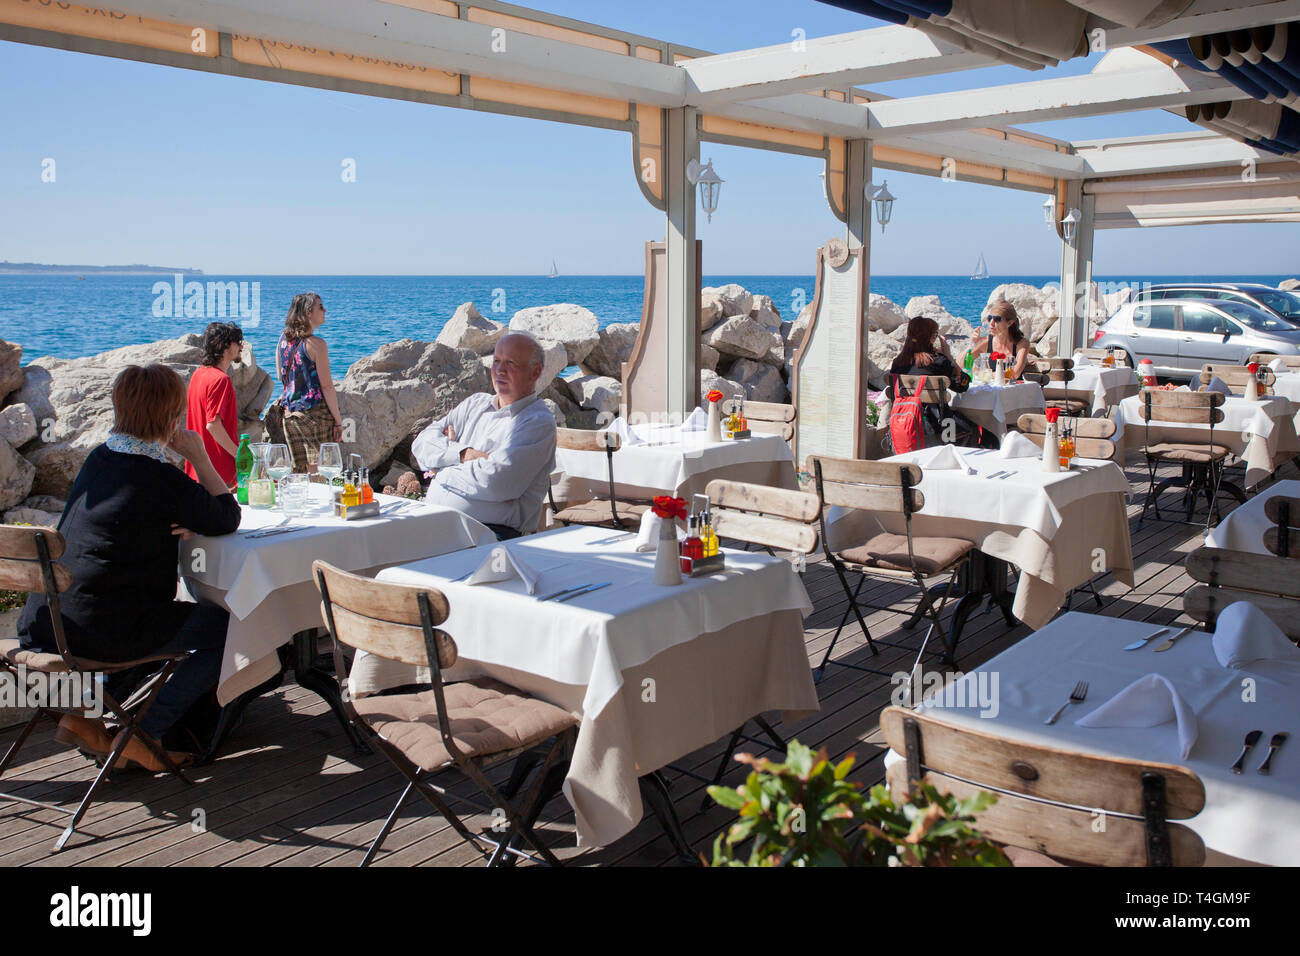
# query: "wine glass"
[[330, 463], [277, 466]]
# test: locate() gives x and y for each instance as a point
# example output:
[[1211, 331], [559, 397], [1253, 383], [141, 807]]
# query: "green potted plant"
[[805, 812]]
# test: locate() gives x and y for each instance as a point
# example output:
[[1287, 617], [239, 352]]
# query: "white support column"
[[857, 176], [1076, 271], [683, 280]]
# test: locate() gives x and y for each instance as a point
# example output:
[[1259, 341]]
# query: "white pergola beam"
[[1222, 21], [1184, 151], [1096, 94], [847, 59]]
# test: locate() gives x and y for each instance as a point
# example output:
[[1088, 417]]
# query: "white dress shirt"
[[508, 486]]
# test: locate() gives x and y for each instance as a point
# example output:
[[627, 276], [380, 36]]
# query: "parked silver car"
[[1283, 304], [1181, 335]]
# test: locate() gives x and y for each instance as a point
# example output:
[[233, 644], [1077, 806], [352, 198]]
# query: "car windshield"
[[1254, 318], [1283, 303]]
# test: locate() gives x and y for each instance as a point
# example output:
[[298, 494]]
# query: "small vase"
[[668, 564], [714, 432], [1051, 448]]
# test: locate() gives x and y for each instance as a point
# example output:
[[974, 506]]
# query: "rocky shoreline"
[[53, 411]]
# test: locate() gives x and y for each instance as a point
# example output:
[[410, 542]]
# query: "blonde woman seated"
[[1005, 337]]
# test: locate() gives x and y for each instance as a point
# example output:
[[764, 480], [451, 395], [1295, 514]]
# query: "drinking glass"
[[278, 466], [294, 491], [330, 463]]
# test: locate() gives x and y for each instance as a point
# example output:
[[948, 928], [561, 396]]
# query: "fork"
[[1076, 697]]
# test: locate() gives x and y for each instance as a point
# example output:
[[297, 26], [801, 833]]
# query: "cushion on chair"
[[1182, 451], [596, 512], [1072, 406], [889, 552], [486, 717], [13, 652]]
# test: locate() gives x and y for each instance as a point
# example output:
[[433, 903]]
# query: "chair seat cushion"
[[889, 553], [13, 652], [596, 512], [1071, 405], [485, 717], [1182, 451]]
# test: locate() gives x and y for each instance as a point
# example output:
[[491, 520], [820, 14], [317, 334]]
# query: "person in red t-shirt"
[[211, 406]]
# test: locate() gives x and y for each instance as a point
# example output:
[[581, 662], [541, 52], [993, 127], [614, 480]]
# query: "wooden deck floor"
[[289, 791]]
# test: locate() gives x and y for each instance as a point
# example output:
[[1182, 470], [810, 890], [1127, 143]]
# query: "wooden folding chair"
[[1099, 356], [771, 518], [1092, 436], [466, 726], [598, 512], [1048, 798], [1202, 461], [1236, 377], [771, 418], [1055, 376], [1292, 362], [1269, 582], [27, 563], [885, 487]]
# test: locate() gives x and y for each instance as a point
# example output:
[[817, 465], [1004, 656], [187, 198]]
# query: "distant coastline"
[[38, 268]]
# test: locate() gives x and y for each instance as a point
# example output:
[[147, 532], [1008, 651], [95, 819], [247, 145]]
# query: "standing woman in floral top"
[[308, 411]]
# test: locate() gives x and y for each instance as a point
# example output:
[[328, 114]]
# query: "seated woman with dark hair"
[[121, 523], [926, 352]]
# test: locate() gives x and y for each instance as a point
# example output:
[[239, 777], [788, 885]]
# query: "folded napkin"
[[942, 457], [1081, 360], [1147, 702], [1245, 635], [1016, 445], [1279, 367], [698, 421], [621, 428], [647, 536], [1218, 385], [502, 564]]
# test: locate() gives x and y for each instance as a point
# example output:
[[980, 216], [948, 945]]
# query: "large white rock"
[[735, 300], [466, 329], [882, 349], [1028, 302], [598, 392], [613, 348], [709, 356], [17, 425], [744, 337], [555, 362], [710, 380], [1289, 285], [764, 311], [16, 474], [565, 322], [11, 373], [883, 315], [32, 516], [761, 382], [711, 310]]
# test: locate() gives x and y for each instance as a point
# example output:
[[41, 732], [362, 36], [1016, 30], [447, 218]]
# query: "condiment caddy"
[[700, 553], [355, 499]]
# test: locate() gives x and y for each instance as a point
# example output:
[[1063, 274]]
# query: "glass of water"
[[294, 491], [278, 466], [330, 462]]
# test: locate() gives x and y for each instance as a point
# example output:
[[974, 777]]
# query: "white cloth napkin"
[[1016, 445], [1147, 702], [1245, 635], [647, 536], [1218, 385], [1279, 367], [1081, 360], [621, 428], [942, 457], [698, 421], [502, 564]]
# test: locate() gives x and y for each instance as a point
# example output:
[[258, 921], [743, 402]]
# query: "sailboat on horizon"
[[981, 269], [554, 273]]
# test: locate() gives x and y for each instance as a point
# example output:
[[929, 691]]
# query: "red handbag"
[[906, 431]]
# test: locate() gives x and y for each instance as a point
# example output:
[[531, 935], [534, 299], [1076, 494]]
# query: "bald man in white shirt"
[[491, 456]]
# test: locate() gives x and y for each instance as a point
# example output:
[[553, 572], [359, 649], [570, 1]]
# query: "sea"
[[70, 317]]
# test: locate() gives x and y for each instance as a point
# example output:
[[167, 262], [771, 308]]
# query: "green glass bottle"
[[243, 468]]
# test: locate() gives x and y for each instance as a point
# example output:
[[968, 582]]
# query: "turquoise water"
[[63, 316]]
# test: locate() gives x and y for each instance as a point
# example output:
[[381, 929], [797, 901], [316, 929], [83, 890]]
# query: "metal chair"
[[465, 726], [1048, 798], [886, 488], [1236, 377], [1202, 462], [771, 418], [1055, 376], [1099, 356], [27, 563], [1091, 435], [1268, 581], [601, 513]]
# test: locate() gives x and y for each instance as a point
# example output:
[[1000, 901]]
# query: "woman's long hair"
[[920, 333], [1007, 312], [296, 324]]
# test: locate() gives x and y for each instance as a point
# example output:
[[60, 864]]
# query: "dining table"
[[1287, 385], [653, 672], [1248, 817], [1242, 529], [262, 575], [996, 408], [1059, 529]]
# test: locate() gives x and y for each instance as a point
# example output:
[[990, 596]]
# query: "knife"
[[995, 474], [555, 594], [274, 531], [583, 590], [1142, 642], [1170, 643], [1273, 746], [1252, 738]]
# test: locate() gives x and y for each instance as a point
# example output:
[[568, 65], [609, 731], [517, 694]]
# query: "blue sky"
[[180, 168]]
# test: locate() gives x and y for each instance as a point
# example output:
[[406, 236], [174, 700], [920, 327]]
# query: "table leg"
[[324, 685], [654, 791], [233, 712]]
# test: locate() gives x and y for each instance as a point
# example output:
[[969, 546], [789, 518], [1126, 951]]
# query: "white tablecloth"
[[1103, 386], [998, 407], [681, 463], [1243, 528], [1059, 529], [266, 583], [1261, 433], [1247, 816], [1287, 386], [578, 653]]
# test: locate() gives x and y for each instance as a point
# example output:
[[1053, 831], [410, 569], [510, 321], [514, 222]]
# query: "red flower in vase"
[[715, 395], [666, 506]]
